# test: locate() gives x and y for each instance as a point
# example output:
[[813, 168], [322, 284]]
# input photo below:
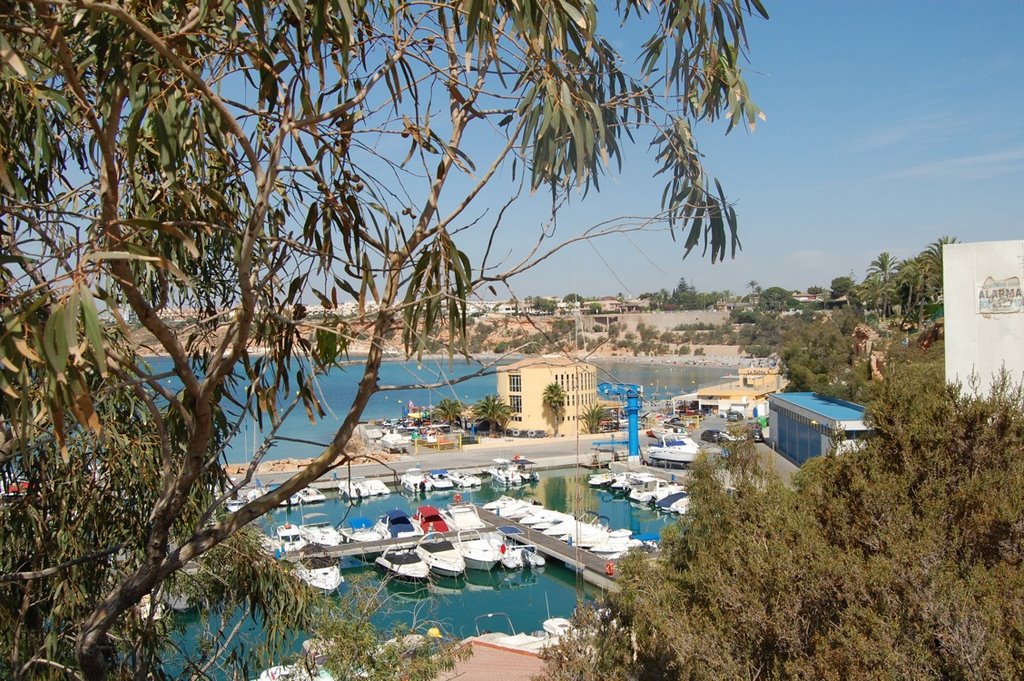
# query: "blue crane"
[[631, 392]]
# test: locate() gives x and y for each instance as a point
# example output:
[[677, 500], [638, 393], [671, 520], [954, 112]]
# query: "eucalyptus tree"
[[227, 164], [553, 399]]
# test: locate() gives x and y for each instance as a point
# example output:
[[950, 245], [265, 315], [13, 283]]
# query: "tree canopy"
[[901, 559], [231, 165]]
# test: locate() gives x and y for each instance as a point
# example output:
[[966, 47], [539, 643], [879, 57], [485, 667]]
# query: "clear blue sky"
[[889, 124]]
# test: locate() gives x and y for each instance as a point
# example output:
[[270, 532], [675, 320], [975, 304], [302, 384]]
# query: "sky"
[[889, 125]]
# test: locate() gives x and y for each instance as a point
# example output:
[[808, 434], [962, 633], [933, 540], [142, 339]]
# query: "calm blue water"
[[527, 597], [337, 390]]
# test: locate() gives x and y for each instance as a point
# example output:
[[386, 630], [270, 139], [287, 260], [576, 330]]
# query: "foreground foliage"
[[902, 560]]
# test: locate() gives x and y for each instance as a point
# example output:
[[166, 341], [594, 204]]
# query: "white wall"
[[982, 284]]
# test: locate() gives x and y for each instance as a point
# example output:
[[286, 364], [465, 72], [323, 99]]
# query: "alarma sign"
[[1000, 296]]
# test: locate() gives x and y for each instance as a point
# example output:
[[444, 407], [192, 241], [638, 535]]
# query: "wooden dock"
[[581, 561]]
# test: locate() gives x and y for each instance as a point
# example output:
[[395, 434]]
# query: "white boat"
[[542, 518], [666, 503], [441, 556], [651, 491], [578, 532], [615, 546], [465, 480], [509, 507], [289, 538], [516, 554], [320, 532], [320, 573], [359, 488], [463, 517], [415, 480], [440, 480], [505, 473], [404, 563], [628, 481], [477, 551], [395, 524], [295, 672], [310, 495], [673, 450], [396, 440], [532, 643], [526, 469], [360, 530], [601, 479], [233, 505]]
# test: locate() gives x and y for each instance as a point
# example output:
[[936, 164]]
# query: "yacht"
[[289, 538], [316, 531], [360, 530], [465, 480], [675, 450], [440, 480], [652, 490], [509, 507], [478, 552], [320, 573], [441, 556], [505, 473], [360, 488], [429, 519], [395, 524], [310, 495], [601, 479], [463, 517], [403, 563], [415, 480]]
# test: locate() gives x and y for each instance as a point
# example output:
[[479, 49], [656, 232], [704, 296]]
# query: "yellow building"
[[743, 393], [521, 385]]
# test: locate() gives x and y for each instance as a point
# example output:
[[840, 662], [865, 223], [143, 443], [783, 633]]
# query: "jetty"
[[593, 569]]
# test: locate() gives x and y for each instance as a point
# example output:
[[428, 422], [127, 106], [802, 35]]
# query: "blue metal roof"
[[829, 407]]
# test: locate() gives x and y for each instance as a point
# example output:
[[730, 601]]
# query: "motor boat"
[[542, 518], [673, 450], [627, 482], [665, 503], [615, 546], [320, 573], [463, 517], [532, 643], [651, 491], [360, 530], [509, 507], [320, 531], [526, 469], [415, 480], [403, 563], [429, 519], [441, 556], [440, 480], [578, 532], [601, 479], [310, 495], [505, 473], [465, 480], [360, 488], [395, 440], [234, 504], [289, 538], [395, 524], [515, 553], [478, 552]]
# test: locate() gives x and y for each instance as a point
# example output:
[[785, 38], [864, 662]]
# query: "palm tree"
[[491, 409], [450, 410], [931, 260], [554, 399], [592, 417], [884, 267], [910, 285]]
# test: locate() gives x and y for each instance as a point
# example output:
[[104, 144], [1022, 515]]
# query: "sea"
[[660, 379]]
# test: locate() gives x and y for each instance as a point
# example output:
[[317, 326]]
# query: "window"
[[515, 383], [516, 402]]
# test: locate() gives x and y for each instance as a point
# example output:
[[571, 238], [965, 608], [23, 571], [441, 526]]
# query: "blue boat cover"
[[398, 528], [397, 516], [671, 499], [439, 471]]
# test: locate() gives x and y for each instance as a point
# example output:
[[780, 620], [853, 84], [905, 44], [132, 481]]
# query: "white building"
[[984, 311]]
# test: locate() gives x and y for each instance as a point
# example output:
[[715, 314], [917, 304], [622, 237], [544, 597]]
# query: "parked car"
[[536, 433], [756, 434], [711, 435], [734, 416]]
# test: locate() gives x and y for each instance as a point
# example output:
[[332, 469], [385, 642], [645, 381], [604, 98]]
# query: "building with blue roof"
[[806, 424]]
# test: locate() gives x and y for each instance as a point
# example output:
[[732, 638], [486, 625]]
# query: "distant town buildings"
[[521, 385], [984, 312], [747, 393]]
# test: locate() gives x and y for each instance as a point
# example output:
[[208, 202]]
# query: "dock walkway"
[[590, 566]]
